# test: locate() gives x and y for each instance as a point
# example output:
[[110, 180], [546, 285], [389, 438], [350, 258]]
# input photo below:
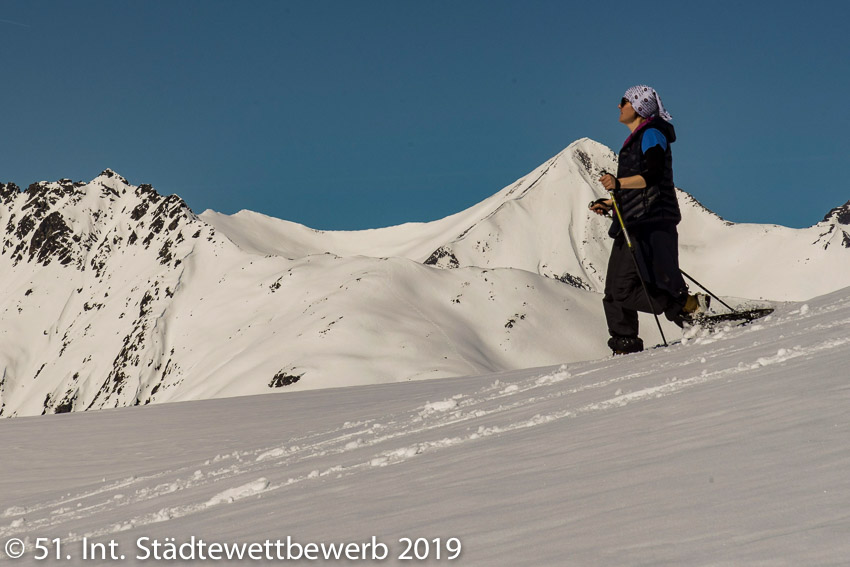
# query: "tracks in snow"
[[498, 406]]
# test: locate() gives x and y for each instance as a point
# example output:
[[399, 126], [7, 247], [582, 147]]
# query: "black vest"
[[657, 204]]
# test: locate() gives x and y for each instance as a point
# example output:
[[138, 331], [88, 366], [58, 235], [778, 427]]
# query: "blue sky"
[[361, 114]]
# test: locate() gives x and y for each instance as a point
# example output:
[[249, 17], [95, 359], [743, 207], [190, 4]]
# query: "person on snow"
[[645, 194]]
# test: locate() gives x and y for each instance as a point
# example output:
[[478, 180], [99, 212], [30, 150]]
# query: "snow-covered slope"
[[541, 224], [728, 449], [765, 261], [88, 271], [113, 295], [116, 296]]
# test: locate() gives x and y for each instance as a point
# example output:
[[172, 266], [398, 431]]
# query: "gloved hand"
[[601, 206]]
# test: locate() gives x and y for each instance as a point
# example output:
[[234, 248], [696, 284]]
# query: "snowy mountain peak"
[[110, 174], [70, 223], [114, 295], [839, 215], [536, 215], [837, 227], [88, 268]]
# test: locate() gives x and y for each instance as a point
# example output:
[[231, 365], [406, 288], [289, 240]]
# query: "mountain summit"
[[114, 295]]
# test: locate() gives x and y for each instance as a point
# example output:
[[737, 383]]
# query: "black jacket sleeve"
[[654, 172]]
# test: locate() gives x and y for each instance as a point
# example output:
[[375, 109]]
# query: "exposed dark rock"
[[110, 174], [37, 194], [584, 160], [574, 281], [143, 304], [66, 404], [140, 210], [282, 379], [512, 321], [25, 226], [443, 258], [157, 224], [8, 192], [146, 190], [165, 254], [841, 214], [51, 241]]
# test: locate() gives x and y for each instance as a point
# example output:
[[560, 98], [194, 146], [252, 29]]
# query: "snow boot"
[[695, 306], [625, 345]]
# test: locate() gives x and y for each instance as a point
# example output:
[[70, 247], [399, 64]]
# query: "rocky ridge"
[[106, 245], [837, 222]]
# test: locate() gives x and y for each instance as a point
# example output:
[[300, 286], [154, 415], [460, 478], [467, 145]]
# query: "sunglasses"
[[623, 102]]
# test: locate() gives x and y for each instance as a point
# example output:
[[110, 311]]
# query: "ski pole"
[[708, 291], [634, 258]]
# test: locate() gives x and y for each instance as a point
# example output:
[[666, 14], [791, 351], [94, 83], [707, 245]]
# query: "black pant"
[[657, 254]]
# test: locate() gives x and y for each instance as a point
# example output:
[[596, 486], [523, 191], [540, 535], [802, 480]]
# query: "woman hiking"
[[646, 197]]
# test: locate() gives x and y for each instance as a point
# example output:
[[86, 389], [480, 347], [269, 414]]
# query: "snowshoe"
[[735, 318]]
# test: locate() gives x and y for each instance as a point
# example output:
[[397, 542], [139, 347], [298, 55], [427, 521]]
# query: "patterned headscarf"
[[646, 102]]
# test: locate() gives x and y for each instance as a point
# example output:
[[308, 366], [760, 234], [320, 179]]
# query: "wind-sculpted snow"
[[743, 429]]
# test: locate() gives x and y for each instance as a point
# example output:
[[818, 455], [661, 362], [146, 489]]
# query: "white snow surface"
[[112, 295], [728, 448]]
